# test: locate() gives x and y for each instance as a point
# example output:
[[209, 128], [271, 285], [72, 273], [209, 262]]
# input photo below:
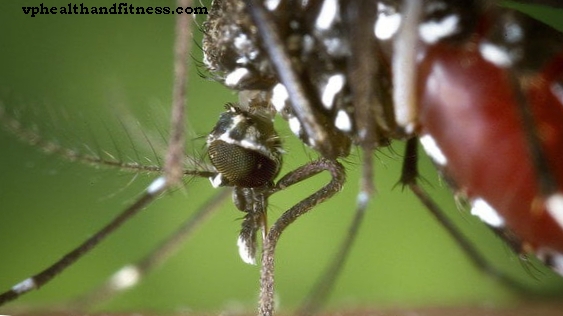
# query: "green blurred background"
[[68, 76]]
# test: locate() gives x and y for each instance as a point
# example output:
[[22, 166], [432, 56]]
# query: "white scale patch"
[[486, 213], [328, 14], [434, 6], [332, 88], [514, 33], [24, 286], [244, 45], [295, 126], [217, 181], [308, 44], [126, 277], [245, 143], [432, 149], [342, 121], [206, 61], [243, 60], [557, 90], [237, 119], [279, 97], [244, 253], [252, 134], [388, 22], [272, 5], [312, 142], [362, 199], [157, 185], [554, 206], [234, 77], [253, 145], [242, 42], [335, 47], [554, 258], [557, 263], [432, 31], [496, 55], [249, 142]]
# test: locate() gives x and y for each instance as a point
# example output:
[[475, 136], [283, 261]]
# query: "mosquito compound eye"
[[241, 166], [245, 149]]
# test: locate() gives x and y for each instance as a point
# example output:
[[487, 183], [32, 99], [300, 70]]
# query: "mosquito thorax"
[[244, 148], [234, 55]]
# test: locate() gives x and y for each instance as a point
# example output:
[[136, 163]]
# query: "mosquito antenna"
[[129, 137], [151, 146], [33, 138], [116, 147]]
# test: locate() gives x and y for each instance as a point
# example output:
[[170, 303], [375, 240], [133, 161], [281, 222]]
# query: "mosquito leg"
[[266, 303], [322, 288], [404, 66], [316, 126], [40, 279], [46, 275], [153, 191], [369, 111], [409, 178], [129, 275], [173, 173], [282, 63]]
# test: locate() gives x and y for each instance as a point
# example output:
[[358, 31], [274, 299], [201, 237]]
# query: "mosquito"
[[207, 250]]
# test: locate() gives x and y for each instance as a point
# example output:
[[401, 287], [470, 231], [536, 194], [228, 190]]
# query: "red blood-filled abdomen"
[[467, 105]]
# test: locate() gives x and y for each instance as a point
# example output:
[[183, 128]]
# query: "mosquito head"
[[244, 148]]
